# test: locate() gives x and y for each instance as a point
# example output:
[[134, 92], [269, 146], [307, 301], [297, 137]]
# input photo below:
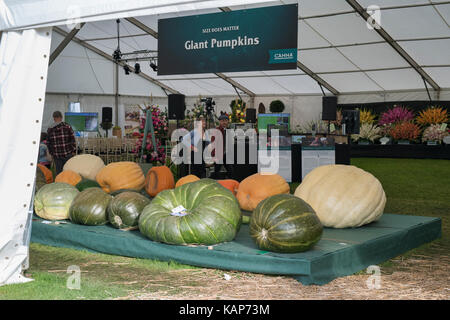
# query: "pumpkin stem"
[[264, 233]]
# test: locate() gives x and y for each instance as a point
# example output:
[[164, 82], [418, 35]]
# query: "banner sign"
[[243, 40]]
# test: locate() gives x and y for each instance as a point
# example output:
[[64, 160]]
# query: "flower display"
[[160, 126], [432, 115], [197, 111], [434, 133], [366, 116], [396, 115], [405, 131], [367, 131], [160, 120], [238, 108]]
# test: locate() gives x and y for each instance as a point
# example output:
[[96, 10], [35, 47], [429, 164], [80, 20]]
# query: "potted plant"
[[432, 115], [276, 106], [238, 108], [397, 114], [368, 133], [434, 134], [117, 131], [405, 132]]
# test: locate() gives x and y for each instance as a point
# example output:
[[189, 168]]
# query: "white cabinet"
[[278, 161], [315, 158]]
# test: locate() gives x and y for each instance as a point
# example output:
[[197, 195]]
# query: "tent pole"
[[117, 95]]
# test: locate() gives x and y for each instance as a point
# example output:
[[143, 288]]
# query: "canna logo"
[[283, 56]]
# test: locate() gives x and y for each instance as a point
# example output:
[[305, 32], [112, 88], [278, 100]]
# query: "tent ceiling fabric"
[[334, 42]]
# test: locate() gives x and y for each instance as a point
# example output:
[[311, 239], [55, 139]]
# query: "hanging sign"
[[243, 40]]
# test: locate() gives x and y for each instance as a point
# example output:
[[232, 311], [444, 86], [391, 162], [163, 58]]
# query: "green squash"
[[142, 192], [212, 215], [124, 209], [285, 223], [52, 201], [87, 183], [90, 206]]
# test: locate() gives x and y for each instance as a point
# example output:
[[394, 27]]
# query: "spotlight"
[[127, 69], [154, 66], [137, 68], [117, 55]]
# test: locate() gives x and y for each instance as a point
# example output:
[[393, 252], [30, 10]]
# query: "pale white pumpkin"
[[86, 165], [343, 196]]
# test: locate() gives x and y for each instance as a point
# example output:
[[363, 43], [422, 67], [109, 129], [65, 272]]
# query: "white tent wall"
[[24, 58], [301, 108]]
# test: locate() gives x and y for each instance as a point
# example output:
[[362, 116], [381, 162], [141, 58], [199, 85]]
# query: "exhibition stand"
[[340, 252]]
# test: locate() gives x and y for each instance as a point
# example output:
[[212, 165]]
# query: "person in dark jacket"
[[60, 141], [223, 126]]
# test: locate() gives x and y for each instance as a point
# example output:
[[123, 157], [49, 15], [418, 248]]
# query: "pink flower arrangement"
[[160, 126], [395, 115], [160, 121], [149, 153]]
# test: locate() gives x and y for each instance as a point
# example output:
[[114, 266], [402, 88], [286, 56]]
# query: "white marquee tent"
[[45, 63]]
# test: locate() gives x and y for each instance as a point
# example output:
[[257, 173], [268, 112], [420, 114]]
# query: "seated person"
[[44, 157]]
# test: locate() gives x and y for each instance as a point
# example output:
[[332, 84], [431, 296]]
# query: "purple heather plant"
[[395, 115]]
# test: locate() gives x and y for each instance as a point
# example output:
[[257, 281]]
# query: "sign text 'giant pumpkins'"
[[242, 40]]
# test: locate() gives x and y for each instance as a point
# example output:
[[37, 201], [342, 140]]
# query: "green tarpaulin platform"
[[340, 252]]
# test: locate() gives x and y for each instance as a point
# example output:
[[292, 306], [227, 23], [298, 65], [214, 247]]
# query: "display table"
[[411, 151], [340, 252]]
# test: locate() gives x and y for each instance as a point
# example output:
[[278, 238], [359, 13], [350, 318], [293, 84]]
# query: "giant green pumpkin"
[[52, 201], [211, 216], [285, 223], [87, 183], [125, 208], [89, 207]]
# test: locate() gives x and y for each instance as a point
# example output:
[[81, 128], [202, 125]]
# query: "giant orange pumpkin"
[[257, 187], [121, 175], [186, 179], [68, 176], [47, 173], [230, 184], [158, 179]]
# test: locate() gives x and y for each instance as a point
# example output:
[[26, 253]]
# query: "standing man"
[[61, 141], [223, 126]]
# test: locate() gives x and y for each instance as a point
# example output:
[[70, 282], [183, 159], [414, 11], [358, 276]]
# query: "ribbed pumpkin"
[[121, 175], [47, 173], [124, 209], [186, 179], [285, 223], [230, 184], [257, 187], [211, 215], [86, 165], [89, 207], [68, 176], [158, 179], [53, 200], [343, 196]]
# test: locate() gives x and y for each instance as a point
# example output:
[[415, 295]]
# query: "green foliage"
[[276, 106]]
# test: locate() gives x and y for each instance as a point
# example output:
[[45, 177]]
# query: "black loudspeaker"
[[176, 107], [250, 115], [106, 114], [329, 105], [351, 121]]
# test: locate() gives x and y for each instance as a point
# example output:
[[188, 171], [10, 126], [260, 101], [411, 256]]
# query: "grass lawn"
[[413, 187]]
